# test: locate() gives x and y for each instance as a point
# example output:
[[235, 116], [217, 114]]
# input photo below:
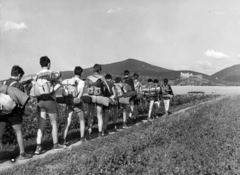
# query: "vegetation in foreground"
[[203, 140]]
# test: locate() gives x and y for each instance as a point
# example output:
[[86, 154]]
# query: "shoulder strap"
[[13, 83]]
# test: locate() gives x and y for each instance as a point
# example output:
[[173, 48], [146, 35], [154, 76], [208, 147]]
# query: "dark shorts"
[[152, 98], [50, 106], [14, 118], [76, 108]]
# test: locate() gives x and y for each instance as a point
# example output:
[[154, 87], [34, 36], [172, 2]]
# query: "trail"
[[8, 164]]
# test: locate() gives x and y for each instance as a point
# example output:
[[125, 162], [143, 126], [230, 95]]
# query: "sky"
[[199, 35]]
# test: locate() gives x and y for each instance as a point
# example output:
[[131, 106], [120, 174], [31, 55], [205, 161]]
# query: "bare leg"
[[82, 123], [41, 125], [90, 115], [53, 121], [150, 109], [100, 118], [18, 130], [69, 114], [106, 114]]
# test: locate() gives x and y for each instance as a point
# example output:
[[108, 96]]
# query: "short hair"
[[165, 80], [16, 70], [135, 76], [118, 80], [97, 68], [78, 70], [155, 81], [108, 76], [44, 61], [149, 80], [126, 72]]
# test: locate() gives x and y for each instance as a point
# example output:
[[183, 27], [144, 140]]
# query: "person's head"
[[150, 81], [17, 72], [118, 80], [97, 68], [108, 77], [155, 81], [126, 73], [165, 81], [78, 71], [135, 76], [45, 62]]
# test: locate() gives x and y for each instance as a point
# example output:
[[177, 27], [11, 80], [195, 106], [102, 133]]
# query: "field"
[[195, 142], [207, 89]]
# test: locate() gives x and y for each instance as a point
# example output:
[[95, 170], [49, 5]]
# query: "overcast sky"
[[198, 35]]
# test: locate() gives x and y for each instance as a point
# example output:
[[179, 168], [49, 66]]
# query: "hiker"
[[96, 84], [119, 95], [46, 104], [107, 109], [158, 101], [151, 94], [73, 91], [15, 118], [128, 80], [166, 94], [139, 97]]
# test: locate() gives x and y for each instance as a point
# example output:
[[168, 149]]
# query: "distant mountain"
[[135, 66], [230, 74]]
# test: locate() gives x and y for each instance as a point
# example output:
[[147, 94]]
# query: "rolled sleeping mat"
[[124, 100], [100, 100], [150, 89]]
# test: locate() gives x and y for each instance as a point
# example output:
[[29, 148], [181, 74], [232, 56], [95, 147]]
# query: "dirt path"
[[10, 164]]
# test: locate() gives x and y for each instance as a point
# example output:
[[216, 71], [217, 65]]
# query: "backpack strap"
[[13, 83]]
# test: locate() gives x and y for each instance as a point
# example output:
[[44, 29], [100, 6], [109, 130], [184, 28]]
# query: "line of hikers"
[[100, 93]]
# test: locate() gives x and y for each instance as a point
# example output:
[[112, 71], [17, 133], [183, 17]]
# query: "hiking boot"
[[105, 132], [115, 129], [57, 146], [88, 133], [24, 156], [38, 150]]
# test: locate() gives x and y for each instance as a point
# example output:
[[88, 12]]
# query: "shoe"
[[150, 120], [130, 121], [66, 143], [83, 139], [100, 134], [125, 126], [57, 146], [24, 156], [115, 129], [38, 150], [105, 132]]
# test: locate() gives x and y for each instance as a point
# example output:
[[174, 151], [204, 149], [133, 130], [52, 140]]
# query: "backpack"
[[7, 104], [165, 89], [94, 85], [119, 89], [42, 88], [150, 91], [70, 88]]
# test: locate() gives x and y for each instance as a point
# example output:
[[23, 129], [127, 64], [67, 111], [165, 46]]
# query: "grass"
[[203, 140]]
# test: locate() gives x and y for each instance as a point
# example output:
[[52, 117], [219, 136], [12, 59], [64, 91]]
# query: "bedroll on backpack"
[[42, 88], [7, 104]]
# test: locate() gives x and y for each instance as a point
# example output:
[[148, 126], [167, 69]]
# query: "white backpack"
[[7, 104], [42, 88], [70, 88]]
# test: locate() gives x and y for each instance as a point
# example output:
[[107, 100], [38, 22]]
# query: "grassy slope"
[[203, 140]]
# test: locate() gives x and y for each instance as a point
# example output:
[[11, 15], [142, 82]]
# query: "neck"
[[15, 78], [45, 68]]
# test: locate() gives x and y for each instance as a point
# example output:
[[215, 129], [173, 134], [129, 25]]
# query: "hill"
[[230, 74], [144, 69]]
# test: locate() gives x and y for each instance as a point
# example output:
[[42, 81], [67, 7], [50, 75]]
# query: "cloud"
[[114, 10], [217, 55], [0, 5], [206, 65], [8, 25]]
